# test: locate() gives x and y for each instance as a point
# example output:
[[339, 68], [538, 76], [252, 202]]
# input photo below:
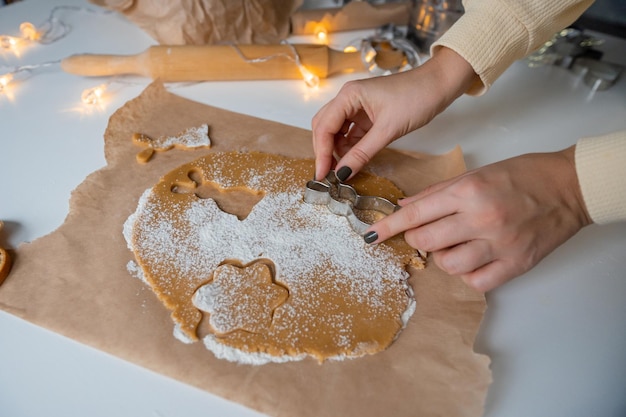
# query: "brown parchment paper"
[[199, 22], [74, 282]]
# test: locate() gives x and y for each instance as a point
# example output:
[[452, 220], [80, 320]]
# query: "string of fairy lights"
[[54, 29], [49, 31]]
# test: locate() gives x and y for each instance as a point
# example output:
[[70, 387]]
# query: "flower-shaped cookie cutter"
[[342, 199]]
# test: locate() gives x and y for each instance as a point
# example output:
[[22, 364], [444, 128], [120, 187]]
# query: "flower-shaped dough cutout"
[[193, 137], [241, 298]]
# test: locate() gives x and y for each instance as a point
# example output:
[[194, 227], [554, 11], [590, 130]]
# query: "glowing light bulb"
[[321, 34], [350, 48], [310, 79], [8, 42], [5, 80], [369, 56], [29, 31], [93, 96]]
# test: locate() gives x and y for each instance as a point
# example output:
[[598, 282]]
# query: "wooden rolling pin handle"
[[216, 62], [105, 65]]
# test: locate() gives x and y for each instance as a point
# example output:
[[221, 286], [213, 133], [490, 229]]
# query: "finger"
[[333, 118], [419, 213], [323, 148], [326, 124], [358, 129], [447, 232], [490, 276], [345, 128], [343, 144], [323, 158], [364, 150], [465, 257], [361, 125]]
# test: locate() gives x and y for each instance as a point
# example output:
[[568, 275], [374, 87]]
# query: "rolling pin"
[[218, 62]]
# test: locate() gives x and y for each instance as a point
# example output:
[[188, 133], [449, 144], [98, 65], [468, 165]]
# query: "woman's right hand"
[[367, 115]]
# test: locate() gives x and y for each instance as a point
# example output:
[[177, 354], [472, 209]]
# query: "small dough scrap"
[[193, 137], [5, 265], [5, 261], [145, 155]]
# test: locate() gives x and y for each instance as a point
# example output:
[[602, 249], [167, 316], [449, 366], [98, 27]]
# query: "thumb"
[[362, 153]]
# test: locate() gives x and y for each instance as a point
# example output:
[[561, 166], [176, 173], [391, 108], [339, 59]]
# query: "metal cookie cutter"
[[342, 199]]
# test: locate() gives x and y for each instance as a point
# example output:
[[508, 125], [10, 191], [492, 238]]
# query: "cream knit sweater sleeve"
[[491, 35], [601, 169]]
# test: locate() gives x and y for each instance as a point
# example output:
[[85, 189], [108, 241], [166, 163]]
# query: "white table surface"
[[556, 336]]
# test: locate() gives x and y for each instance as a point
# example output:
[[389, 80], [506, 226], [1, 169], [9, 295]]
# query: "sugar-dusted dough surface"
[[228, 245]]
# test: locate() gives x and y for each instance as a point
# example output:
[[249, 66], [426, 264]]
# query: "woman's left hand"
[[494, 223]]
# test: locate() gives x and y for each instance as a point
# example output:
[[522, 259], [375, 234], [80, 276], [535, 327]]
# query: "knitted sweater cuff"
[[601, 170]]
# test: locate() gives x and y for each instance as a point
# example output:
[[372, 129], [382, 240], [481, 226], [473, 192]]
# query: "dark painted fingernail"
[[343, 173], [370, 237]]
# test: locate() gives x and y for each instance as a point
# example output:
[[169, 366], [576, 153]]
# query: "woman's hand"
[[369, 114], [494, 223]]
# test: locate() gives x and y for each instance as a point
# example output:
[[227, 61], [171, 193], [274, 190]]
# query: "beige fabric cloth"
[[491, 35], [199, 22]]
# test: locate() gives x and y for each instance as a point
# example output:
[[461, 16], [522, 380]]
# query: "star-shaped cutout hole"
[[241, 298]]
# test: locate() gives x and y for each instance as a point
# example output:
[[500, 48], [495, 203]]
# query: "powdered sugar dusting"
[[296, 245], [231, 354], [182, 336], [307, 244], [240, 298], [134, 270], [194, 137]]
